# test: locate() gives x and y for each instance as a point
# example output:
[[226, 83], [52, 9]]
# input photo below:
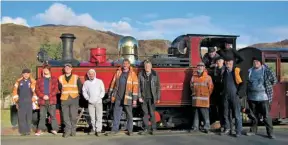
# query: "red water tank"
[[98, 55]]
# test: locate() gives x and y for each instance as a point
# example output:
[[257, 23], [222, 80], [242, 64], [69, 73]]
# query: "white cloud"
[[170, 28], [61, 14], [17, 20], [126, 19], [280, 32], [151, 16]]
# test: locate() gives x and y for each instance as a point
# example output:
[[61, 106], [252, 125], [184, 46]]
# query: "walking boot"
[[145, 132], [226, 132]]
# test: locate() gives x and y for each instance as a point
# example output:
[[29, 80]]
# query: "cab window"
[[284, 70], [271, 63]]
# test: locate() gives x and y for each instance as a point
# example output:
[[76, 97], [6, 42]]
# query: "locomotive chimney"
[[67, 43]]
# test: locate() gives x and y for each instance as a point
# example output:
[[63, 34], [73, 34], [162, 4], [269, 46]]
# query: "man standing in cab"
[[149, 95], [46, 90], [232, 93], [202, 87], [261, 80], [227, 52], [70, 86], [124, 93], [209, 59], [94, 91], [24, 97]]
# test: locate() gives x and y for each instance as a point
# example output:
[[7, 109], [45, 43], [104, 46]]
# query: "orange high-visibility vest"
[[69, 88]]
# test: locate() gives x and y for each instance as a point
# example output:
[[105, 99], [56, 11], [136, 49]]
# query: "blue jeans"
[[232, 102], [117, 112], [204, 113]]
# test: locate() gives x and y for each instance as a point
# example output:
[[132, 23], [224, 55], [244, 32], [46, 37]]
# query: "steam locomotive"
[[174, 68]]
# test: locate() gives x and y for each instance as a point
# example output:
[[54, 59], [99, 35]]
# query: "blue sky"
[[253, 21]]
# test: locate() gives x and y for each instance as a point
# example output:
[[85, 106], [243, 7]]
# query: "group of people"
[[127, 88], [223, 86]]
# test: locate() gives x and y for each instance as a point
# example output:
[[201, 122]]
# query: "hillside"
[[21, 44], [280, 44]]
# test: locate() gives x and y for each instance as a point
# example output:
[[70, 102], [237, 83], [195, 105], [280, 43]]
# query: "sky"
[[254, 22]]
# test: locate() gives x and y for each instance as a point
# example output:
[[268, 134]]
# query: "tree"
[[53, 50]]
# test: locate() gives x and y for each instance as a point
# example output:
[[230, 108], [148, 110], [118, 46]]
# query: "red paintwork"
[[58, 117], [98, 55], [97, 58], [86, 63], [157, 117], [279, 107], [195, 50], [172, 90]]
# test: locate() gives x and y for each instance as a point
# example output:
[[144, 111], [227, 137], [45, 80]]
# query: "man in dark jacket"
[[216, 108], [227, 52], [46, 90], [209, 59], [149, 94], [259, 94], [232, 93]]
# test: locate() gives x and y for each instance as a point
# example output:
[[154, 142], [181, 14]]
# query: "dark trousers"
[[204, 113], [148, 108], [232, 102], [25, 117], [70, 113], [35, 119], [13, 115], [262, 108], [51, 109], [117, 112]]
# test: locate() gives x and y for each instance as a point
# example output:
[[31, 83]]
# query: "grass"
[[5, 118]]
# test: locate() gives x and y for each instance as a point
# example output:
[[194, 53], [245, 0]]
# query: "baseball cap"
[[68, 64], [200, 64], [211, 49], [26, 70]]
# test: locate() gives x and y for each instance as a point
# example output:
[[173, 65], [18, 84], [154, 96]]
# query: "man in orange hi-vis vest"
[[202, 87], [70, 86], [123, 93]]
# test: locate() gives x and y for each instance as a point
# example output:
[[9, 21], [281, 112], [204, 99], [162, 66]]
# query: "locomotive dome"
[[128, 48]]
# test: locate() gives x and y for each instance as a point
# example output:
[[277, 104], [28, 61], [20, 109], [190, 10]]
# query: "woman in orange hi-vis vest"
[[202, 87]]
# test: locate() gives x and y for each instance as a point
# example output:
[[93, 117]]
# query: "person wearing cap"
[[70, 86], [149, 95], [123, 93], [232, 92], [46, 90], [260, 82], [227, 52], [94, 91], [24, 97], [209, 59], [202, 87]]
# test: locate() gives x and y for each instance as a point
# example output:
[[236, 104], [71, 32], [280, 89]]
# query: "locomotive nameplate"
[[171, 86]]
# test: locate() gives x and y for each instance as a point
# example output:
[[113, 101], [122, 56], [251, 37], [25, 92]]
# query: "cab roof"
[[213, 35]]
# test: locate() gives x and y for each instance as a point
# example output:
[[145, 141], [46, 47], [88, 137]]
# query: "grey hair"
[[147, 62]]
